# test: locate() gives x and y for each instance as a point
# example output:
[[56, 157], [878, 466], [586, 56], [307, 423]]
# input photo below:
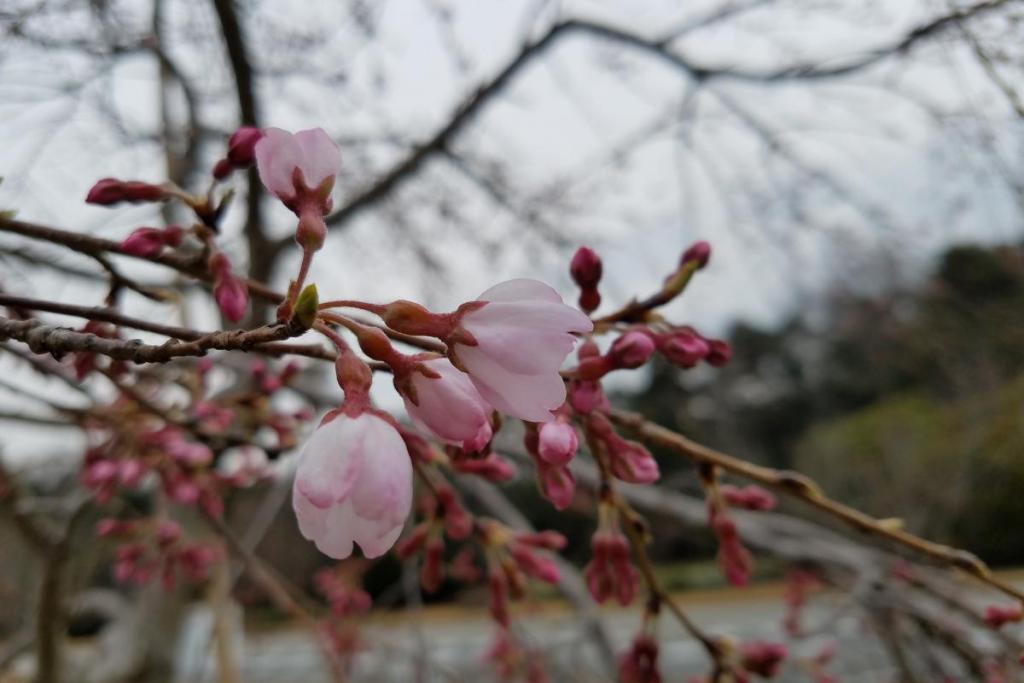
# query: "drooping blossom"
[[448, 405], [512, 342], [353, 484], [299, 169]]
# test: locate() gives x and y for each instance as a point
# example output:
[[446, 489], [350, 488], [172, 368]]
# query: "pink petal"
[[528, 397], [330, 462], [320, 156], [384, 489], [520, 289], [277, 155]]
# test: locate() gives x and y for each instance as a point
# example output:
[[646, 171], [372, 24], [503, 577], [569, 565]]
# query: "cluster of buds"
[[628, 460], [512, 558], [444, 516], [152, 549], [241, 152], [610, 572], [110, 191]]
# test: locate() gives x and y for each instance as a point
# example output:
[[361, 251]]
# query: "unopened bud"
[[586, 268], [631, 350], [242, 146], [699, 253]]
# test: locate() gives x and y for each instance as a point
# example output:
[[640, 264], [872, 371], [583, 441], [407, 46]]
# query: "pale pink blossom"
[[449, 405], [353, 484], [291, 165], [518, 340]]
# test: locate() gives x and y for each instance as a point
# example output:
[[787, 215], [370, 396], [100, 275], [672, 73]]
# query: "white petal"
[[320, 156], [277, 156], [528, 397], [520, 289], [384, 489], [330, 462]]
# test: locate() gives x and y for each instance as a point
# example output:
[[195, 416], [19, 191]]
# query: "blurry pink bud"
[[110, 191], [130, 471], [432, 572], [498, 589], [683, 348], [222, 169], [640, 663], [99, 473], [585, 268], [185, 491], [232, 296], [109, 526], [413, 543], [762, 658], [611, 571], [242, 146], [586, 396], [557, 484], [551, 540], [631, 350], [196, 561], [492, 467], [542, 568], [997, 616], [463, 567], [699, 253], [719, 353], [557, 442], [457, 523], [143, 242], [751, 497], [167, 532]]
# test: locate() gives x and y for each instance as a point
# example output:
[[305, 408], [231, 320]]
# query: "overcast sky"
[[796, 184]]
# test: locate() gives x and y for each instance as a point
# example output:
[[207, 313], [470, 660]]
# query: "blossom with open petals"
[[516, 338], [353, 484]]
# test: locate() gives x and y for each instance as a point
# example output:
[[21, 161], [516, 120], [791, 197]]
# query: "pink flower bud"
[[130, 471], [762, 658], [222, 169], [168, 532], [557, 484], [683, 348], [586, 396], [631, 350], [699, 253], [586, 268], [551, 540], [640, 663], [611, 571], [497, 585], [557, 442], [105, 192], [542, 568], [719, 353], [242, 146], [413, 543], [751, 497], [457, 523], [109, 526], [143, 242], [232, 296], [493, 467], [432, 572], [448, 405], [997, 616]]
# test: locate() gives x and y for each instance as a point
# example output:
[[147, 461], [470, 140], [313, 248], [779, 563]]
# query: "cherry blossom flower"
[[353, 484], [449, 405], [512, 344]]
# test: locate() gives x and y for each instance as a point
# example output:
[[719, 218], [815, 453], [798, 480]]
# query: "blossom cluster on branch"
[[516, 352]]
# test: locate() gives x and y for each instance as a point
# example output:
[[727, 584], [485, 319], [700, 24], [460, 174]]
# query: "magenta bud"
[[699, 252], [135, 191], [106, 192], [719, 353], [242, 146], [232, 296], [143, 242], [222, 169], [631, 350], [173, 235], [585, 268], [683, 348]]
